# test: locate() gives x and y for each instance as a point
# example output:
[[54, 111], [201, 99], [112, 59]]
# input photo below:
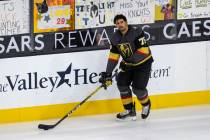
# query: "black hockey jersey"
[[132, 47]]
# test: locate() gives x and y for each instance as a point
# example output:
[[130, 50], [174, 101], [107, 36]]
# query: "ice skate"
[[127, 115], [146, 110]]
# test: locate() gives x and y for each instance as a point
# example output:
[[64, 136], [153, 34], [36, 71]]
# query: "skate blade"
[[126, 119]]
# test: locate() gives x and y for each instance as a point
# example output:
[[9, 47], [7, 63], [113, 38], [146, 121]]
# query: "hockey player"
[[130, 44]]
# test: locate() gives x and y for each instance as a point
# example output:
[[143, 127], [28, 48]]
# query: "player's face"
[[121, 25]]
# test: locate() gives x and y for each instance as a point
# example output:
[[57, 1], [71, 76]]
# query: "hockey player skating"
[[130, 44]]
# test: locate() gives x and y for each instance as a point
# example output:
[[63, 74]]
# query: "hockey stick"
[[46, 127]]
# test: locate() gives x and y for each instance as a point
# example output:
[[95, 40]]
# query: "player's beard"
[[122, 28]]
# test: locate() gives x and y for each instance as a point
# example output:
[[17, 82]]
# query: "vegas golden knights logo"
[[125, 49]]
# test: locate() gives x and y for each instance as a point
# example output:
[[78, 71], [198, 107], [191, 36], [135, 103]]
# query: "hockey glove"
[[105, 79]]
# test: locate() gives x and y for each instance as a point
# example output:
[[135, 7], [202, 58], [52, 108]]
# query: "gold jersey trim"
[[131, 64]]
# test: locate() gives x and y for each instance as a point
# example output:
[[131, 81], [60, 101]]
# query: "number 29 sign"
[[55, 18]]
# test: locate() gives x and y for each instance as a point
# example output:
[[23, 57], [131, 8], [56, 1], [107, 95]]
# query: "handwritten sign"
[[14, 17], [56, 17], [190, 9], [94, 13], [137, 11], [59, 15]]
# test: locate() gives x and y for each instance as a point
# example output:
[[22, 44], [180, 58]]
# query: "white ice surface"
[[188, 123]]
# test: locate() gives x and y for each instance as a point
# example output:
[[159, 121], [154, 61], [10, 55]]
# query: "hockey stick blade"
[[45, 127]]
